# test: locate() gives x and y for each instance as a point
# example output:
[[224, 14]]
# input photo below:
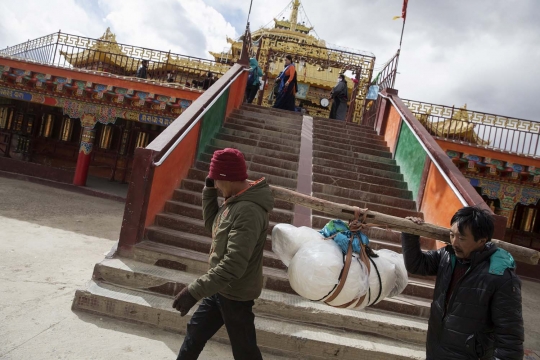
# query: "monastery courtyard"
[[36, 291]]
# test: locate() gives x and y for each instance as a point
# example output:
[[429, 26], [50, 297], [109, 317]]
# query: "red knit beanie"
[[229, 165]]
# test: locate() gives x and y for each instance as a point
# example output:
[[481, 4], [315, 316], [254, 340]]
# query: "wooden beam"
[[346, 212]]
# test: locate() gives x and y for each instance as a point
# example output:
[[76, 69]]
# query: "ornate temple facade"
[[318, 64], [500, 156], [71, 106]]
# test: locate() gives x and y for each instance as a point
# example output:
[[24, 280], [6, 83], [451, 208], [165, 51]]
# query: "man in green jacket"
[[239, 229]]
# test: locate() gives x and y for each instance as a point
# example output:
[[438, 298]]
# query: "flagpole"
[[402, 29]]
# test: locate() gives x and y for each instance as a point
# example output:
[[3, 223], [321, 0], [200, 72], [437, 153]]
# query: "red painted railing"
[[438, 187], [159, 168]]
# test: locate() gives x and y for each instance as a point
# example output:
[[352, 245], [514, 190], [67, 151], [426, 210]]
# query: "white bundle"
[[315, 266], [287, 240], [402, 279]]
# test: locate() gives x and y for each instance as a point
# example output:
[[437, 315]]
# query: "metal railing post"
[[56, 46]]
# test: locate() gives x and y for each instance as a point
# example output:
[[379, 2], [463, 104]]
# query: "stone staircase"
[[351, 164]]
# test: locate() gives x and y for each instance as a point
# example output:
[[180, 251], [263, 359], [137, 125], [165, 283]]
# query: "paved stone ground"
[[50, 240]]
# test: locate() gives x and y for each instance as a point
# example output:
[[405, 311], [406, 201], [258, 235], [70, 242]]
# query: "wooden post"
[[85, 154], [244, 55], [352, 103], [265, 78], [346, 212]]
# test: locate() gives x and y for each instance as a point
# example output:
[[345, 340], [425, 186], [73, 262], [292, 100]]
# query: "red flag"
[[404, 10]]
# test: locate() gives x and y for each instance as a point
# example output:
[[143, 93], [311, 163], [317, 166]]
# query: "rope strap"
[[354, 225]]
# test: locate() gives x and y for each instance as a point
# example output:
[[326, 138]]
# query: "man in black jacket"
[[476, 308], [142, 72]]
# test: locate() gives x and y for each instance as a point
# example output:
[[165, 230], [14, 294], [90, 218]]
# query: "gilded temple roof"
[[106, 50]]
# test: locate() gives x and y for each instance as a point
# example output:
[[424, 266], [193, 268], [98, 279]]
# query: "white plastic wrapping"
[[356, 284], [315, 265], [388, 279], [287, 239], [402, 278], [314, 269]]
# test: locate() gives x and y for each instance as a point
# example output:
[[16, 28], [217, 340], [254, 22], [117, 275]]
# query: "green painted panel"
[[212, 121], [411, 158]]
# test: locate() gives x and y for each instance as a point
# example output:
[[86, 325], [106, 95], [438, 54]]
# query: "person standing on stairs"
[[340, 97], [286, 97], [476, 311], [253, 82], [228, 290]]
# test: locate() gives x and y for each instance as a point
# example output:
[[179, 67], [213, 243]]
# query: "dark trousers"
[[251, 92], [213, 312]]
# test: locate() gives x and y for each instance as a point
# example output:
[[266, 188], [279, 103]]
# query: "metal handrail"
[[197, 119], [79, 52], [490, 131]]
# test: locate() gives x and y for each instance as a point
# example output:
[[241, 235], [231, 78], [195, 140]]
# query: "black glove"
[[184, 301], [209, 183]]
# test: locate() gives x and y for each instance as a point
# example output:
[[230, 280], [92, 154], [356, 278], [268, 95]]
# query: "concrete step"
[[188, 224], [133, 274], [283, 124], [274, 279], [263, 132], [348, 139], [292, 141], [230, 141], [374, 206], [340, 145], [346, 133], [271, 111], [267, 118], [271, 179], [333, 168], [255, 169], [291, 339], [258, 159], [354, 154], [342, 126], [246, 149], [361, 176], [331, 135], [350, 157], [173, 257], [363, 186], [256, 142], [202, 244], [333, 161], [269, 126], [190, 204], [364, 196], [195, 182]]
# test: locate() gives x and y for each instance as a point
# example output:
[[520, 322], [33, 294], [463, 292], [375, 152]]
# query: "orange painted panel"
[[236, 93], [392, 128], [440, 202], [135, 84], [170, 174], [473, 150]]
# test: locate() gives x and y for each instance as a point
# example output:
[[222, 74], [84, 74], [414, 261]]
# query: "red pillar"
[[83, 161]]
